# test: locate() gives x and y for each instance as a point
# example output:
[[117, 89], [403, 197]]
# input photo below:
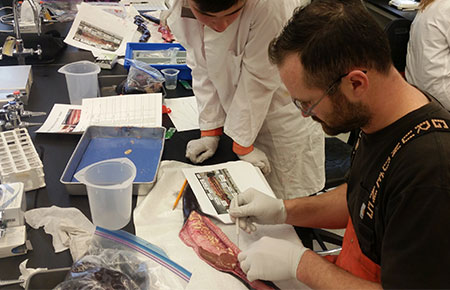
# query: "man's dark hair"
[[332, 37], [214, 6]]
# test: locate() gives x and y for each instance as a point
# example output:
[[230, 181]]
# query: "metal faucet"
[[19, 51], [11, 114]]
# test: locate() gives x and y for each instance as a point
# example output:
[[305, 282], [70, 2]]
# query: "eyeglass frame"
[[308, 112]]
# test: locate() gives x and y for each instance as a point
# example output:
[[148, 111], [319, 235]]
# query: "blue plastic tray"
[[185, 71]]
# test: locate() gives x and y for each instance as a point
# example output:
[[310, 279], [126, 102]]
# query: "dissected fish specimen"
[[211, 244]]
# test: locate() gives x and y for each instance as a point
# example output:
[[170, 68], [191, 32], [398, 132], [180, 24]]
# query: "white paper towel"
[[69, 227]]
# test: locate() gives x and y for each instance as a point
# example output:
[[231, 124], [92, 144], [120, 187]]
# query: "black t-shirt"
[[411, 236]]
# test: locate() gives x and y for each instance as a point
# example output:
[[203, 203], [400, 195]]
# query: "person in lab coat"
[[239, 91], [428, 55]]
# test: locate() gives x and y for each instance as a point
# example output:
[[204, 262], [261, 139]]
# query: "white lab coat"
[[236, 87], [428, 55]]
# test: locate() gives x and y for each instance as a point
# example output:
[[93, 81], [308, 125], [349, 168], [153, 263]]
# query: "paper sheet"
[[184, 113], [216, 185], [139, 110], [156, 222], [62, 119], [101, 31]]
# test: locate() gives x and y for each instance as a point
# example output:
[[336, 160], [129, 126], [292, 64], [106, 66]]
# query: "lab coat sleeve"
[[211, 113], [189, 33], [447, 35], [259, 79], [446, 84]]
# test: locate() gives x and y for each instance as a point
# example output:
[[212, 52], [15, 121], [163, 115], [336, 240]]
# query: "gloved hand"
[[199, 150], [255, 206], [271, 259], [258, 159]]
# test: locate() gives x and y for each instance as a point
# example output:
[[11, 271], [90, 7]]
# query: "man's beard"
[[345, 117]]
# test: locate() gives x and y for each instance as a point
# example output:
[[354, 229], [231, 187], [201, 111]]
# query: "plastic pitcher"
[[81, 79], [109, 185]]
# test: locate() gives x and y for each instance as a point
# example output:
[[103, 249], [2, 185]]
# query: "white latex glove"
[[199, 150], [254, 206], [271, 259], [258, 159]]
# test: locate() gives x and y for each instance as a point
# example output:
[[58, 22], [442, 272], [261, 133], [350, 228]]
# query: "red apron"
[[353, 260]]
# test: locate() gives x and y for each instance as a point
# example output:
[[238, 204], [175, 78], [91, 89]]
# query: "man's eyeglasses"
[[307, 107]]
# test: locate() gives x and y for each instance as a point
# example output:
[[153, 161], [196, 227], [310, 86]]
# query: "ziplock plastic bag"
[[119, 260], [143, 78], [59, 10]]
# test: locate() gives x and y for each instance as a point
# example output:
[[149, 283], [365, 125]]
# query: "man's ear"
[[355, 84]]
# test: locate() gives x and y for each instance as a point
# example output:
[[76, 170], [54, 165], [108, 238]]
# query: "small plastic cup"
[[81, 79], [171, 76], [109, 185]]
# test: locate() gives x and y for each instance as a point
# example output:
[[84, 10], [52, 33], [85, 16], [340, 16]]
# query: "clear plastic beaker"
[[171, 76], [81, 79], [109, 185]]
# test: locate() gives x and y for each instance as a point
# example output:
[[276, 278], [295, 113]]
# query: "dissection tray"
[[143, 146]]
